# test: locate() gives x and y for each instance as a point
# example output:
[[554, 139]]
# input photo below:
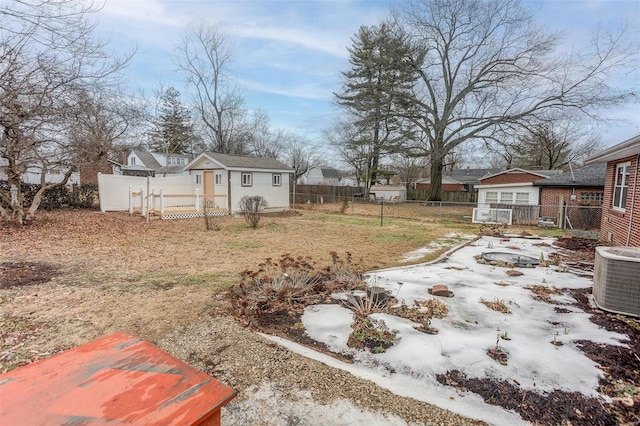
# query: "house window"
[[276, 179], [133, 161], [621, 186], [246, 179], [522, 198], [198, 179], [591, 198], [491, 198], [506, 198], [218, 178]]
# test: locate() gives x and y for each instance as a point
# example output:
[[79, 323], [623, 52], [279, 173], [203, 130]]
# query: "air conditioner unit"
[[616, 279]]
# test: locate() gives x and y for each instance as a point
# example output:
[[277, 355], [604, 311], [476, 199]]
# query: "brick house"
[[513, 189], [620, 223], [581, 191], [463, 180]]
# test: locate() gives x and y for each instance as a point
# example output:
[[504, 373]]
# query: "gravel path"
[[278, 387]]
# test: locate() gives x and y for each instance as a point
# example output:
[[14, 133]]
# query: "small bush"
[[251, 208]]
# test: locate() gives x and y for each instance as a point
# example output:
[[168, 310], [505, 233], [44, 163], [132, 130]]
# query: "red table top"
[[117, 379]]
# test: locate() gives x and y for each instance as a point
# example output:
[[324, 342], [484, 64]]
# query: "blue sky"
[[289, 53]]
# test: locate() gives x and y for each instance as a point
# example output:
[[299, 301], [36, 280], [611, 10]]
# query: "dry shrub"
[[372, 334], [251, 208], [419, 315], [543, 292], [437, 307], [496, 305], [290, 284]]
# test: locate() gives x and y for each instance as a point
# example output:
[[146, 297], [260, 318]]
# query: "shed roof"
[[592, 175], [243, 162]]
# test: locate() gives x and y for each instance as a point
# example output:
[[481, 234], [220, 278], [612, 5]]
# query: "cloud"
[[332, 45], [304, 91]]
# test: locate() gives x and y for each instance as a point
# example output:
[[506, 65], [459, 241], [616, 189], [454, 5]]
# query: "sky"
[[289, 53]]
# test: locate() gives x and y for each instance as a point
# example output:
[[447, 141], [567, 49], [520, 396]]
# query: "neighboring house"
[[228, 178], [580, 190], [389, 192], [513, 186], [463, 180], [513, 189], [320, 176], [147, 163], [620, 223], [348, 181], [33, 174]]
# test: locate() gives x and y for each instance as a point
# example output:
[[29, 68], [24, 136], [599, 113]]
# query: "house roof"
[[330, 173], [541, 173], [591, 175], [242, 162], [469, 175], [147, 159], [624, 149]]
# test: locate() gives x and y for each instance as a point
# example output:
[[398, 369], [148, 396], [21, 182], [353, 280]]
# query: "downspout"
[[633, 200], [229, 190]]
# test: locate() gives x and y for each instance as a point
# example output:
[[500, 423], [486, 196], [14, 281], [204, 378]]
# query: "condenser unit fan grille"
[[616, 279]]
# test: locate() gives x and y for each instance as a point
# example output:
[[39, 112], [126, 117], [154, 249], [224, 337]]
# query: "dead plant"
[[497, 305], [543, 292], [372, 334]]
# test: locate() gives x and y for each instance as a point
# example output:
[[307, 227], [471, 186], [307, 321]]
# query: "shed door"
[[207, 179]]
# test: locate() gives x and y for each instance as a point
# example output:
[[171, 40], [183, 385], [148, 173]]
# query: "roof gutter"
[[633, 200]]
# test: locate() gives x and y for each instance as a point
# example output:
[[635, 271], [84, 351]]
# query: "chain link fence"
[[569, 217]]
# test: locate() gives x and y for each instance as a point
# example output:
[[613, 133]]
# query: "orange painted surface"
[[118, 379]]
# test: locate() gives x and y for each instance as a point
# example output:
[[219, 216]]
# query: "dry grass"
[[119, 273], [497, 305]]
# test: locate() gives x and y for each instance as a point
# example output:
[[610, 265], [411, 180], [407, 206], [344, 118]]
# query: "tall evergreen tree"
[[375, 90], [173, 132]]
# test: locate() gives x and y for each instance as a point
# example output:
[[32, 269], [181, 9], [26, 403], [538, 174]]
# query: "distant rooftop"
[[591, 175]]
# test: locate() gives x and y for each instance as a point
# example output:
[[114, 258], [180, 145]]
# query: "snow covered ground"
[[542, 355]]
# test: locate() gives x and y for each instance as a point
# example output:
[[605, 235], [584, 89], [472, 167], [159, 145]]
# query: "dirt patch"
[[555, 407], [14, 274]]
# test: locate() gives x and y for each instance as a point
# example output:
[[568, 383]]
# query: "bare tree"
[[100, 126], [345, 138], [299, 154], [549, 144], [488, 64], [408, 169], [204, 57], [48, 56]]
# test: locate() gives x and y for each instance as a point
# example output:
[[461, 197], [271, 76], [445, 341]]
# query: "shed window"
[[277, 179], [621, 186], [522, 198], [491, 198], [506, 197], [246, 179], [219, 179], [198, 179]]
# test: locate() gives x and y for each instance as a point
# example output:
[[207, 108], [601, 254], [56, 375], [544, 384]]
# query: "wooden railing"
[[159, 202]]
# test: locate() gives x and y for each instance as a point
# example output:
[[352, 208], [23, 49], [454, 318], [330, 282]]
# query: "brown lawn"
[[73, 276]]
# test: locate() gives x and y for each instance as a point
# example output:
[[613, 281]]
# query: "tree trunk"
[[435, 190]]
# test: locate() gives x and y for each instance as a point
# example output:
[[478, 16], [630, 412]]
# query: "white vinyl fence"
[[115, 191]]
